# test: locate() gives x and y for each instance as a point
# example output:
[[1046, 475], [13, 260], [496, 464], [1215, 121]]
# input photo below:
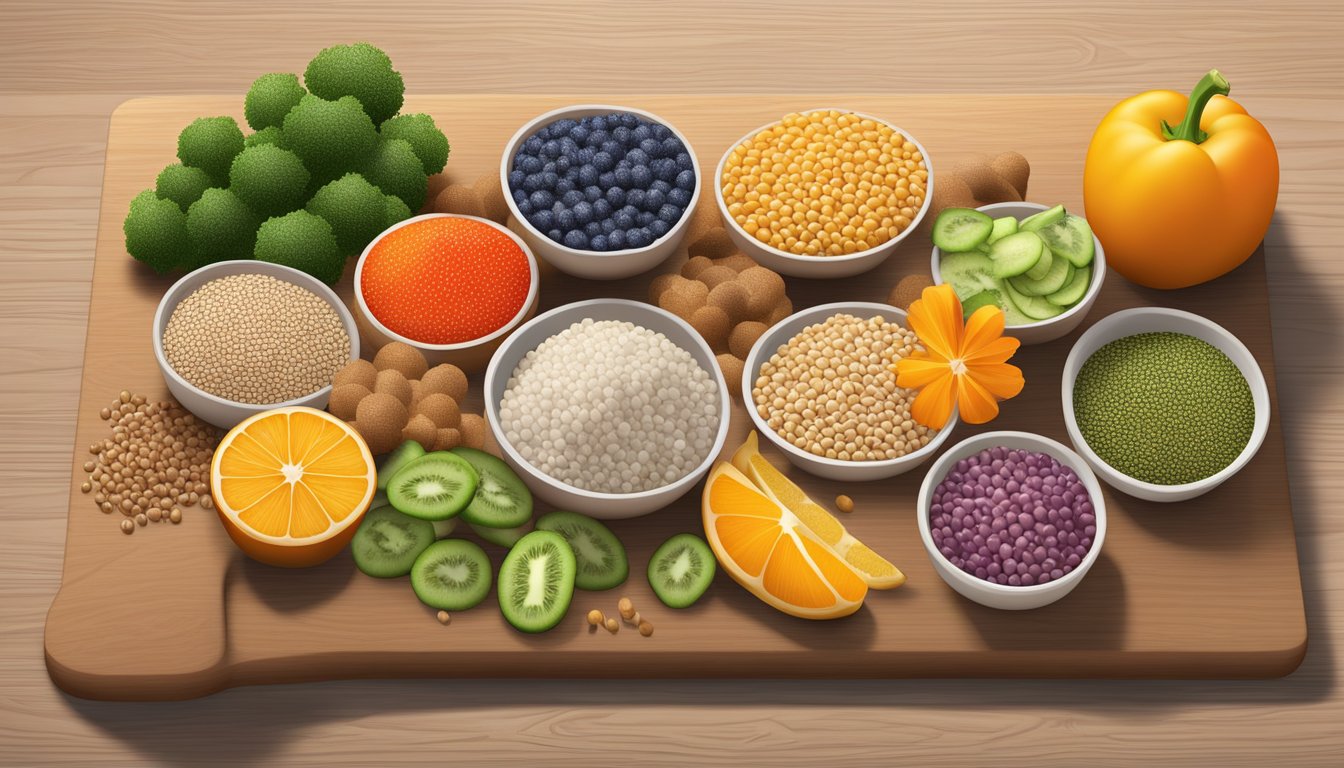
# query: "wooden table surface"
[[64, 67]]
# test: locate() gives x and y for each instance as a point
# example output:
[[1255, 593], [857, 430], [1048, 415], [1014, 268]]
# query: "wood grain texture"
[[67, 66]]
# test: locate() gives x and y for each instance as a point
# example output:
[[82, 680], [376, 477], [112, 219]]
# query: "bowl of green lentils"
[[1164, 405]]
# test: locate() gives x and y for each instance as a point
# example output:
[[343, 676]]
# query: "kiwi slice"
[[981, 299], [1074, 290], [681, 569], [1015, 254], [452, 575], [444, 527], [399, 457], [387, 542], [1072, 239], [501, 500], [435, 486], [1034, 307], [1003, 227], [600, 556], [1042, 267], [502, 537], [1061, 271], [1039, 221], [968, 273], [536, 581], [961, 229]]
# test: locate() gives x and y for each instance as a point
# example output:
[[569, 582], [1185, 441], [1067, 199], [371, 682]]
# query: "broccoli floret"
[[303, 241], [353, 207], [221, 227], [358, 70], [269, 135], [394, 168], [269, 179], [331, 137], [270, 98], [429, 143], [210, 143], [182, 184], [156, 232], [395, 210]]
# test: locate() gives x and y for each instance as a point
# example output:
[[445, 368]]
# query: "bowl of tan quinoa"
[[819, 386], [236, 338]]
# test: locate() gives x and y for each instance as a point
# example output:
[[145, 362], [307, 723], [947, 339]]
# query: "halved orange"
[[875, 569], [769, 551], [291, 485]]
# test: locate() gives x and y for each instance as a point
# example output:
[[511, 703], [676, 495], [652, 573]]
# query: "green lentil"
[[1164, 408]]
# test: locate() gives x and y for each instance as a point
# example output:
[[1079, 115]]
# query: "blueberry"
[[642, 132], [637, 157], [608, 226], [598, 242], [549, 167], [585, 156], [571, 198], [516, 179], [576, 240], [592, 229], [603, 161], [651, 147], [615, 196], [607, 180], [669, 214], [544, 133], [616, 239], [624, 179], [641, 175], [561, 164], [571, 175], [629, 119], [592, 193], [563, 186], [621, 135], [531, 183], [661, 132], [528, 163], [664, 169], [579, 134], [565, 220], [686, 180], [543, 220], [635, 198], [596, 139], [645, 218], [583, 212], [653, 200], [587, 175], [601, 208], [555, 235], [541, 199], [568, 146], [623, 220], [613, 148], [548, 180], [638, 237], [532, 144], [679, 197], [525, 207], [659, 228], [661, 186], [597, 122], [672, 147], [519, 195], [684, 161], [551, 149], [630, 210]]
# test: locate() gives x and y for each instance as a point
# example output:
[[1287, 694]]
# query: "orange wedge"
[[768, 550], [876, 570], [291, 485]]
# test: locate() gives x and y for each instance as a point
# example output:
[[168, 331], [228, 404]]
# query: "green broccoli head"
[[429, 143], [221, 227], [210, 143], [270, 180], [156, 232], [361, 71], [182, 184], [394, 168], [394, 210], [354, 209], [331, 137], [269, 135], [270, 98], [304, 241]]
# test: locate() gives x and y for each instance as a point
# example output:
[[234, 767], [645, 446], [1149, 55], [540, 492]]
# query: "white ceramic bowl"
[[1154, 320], [606, 506], [990, 593], [835, 469], [795, 265], [1064, 323], [214, 409], [597, 265], [470, 356]]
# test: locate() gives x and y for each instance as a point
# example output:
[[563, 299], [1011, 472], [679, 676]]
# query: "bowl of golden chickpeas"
[[823, 193]]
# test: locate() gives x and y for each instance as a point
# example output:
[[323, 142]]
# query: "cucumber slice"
[[1042, 267], [981, 299], [1002, 228], [1055, 279], [961, 229], [399, 457], [1015, 254], [1072, 239], [1074, 290], [1039, 221], [1034, 307]]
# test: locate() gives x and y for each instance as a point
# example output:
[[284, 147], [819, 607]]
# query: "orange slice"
[[768, 550], [876, 570], [291, 485]]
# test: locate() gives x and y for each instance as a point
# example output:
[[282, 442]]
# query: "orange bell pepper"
[[1177, 206]]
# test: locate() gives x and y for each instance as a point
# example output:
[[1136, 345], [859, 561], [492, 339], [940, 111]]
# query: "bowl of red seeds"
[[451, 286], [1011, 520]]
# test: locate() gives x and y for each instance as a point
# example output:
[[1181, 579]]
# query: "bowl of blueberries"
[[601, 192]]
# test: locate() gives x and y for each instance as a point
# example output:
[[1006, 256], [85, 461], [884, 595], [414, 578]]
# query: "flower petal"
[[983, 326], [917, 372], [976, 403], [936, 320], [933, 404], [1000, 379], [994, 352]]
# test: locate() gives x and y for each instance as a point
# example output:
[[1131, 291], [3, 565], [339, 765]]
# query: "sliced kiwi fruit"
[[444, 527], [399, 457], [981, 299], [387, 542], [1074, 290], [1003, 227], [435, 486], [501, 499], [536, 581], [1072, 239], [1034, 307], [1015, 254], [961, 229], [1039, 221], [681, 569], [600, 556], [1042, 267], [1061, 271], [968, 273], [451, 575], [502, 537]]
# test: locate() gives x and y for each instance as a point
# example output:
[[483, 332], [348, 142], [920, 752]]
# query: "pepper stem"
[[1189, 130]]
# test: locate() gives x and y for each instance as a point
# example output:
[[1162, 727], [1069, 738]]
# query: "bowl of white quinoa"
[[607, 407], [819, 386], [236, 338]]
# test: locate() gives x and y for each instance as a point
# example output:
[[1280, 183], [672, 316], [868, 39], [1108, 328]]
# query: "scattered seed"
[[844, 503], [595, 618], [88, 466], [105, 414], [628, 612], [175, 515], [613, 626], [141, 520], [645, 628], [127, 526], [85, 487], [206, 503], [444, 618], [154, 514]]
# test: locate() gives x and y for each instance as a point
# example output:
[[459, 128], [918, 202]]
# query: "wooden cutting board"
[[1208, 588]]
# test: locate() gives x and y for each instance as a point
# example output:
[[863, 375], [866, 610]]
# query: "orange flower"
[[965, 364]]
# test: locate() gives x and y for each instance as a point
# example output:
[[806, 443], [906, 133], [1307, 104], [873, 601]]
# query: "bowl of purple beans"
[[600, 192], [1011, 520]]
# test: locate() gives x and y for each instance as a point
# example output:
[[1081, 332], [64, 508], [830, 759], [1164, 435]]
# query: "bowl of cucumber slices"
[[1040, 264]]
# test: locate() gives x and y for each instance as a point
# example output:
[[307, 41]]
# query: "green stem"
[[1188, 130]]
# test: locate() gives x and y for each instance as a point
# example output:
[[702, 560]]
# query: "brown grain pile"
[[484, 198], [981, 180]]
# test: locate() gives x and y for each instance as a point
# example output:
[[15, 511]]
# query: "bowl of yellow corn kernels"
[[823, 193]]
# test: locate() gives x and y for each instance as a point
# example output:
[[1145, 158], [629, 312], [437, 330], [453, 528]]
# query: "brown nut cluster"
[[398, 397], [483, 199], [909, 289], [727, 298], [982, 180]]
